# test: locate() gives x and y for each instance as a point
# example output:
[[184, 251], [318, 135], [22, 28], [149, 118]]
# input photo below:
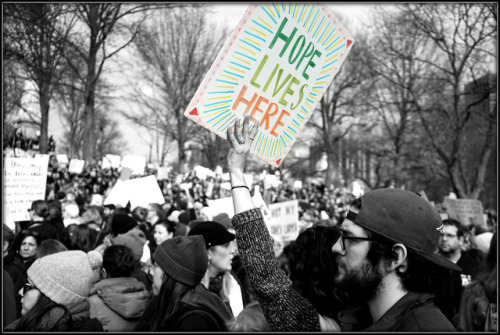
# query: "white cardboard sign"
[[25, 180]]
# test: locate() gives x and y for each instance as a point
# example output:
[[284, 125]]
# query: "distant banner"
[[284, 220], [25, 180], [467, 211], [276, 66]]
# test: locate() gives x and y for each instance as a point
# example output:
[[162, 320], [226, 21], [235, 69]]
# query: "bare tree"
[[35, 36], [13, 92], [464, 35], [176, 49], [70, 98], [398, 79], [342, 107], [106, 25]]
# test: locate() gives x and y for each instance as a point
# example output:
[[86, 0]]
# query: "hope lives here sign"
[[275, 66]]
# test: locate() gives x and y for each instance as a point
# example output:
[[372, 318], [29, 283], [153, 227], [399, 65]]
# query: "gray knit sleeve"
[[285, 309]]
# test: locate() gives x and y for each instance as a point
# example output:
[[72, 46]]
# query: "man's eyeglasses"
[[344, 237], [27, 287]]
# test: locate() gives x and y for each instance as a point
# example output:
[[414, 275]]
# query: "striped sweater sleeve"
[[284, 308]]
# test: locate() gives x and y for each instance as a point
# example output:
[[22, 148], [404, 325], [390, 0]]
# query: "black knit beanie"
[[184, 258], [122, 223]]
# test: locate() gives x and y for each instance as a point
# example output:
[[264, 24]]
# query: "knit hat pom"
[[95, 259]]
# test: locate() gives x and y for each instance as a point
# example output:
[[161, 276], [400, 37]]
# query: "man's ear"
[[400, 258]]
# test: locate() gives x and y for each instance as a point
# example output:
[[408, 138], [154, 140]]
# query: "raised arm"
[[285, 309]]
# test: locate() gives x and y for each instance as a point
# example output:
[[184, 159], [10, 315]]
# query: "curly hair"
[[313, 267]]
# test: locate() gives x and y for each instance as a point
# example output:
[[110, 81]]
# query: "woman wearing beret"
[[181, 302], [55, 296], [221, 249]]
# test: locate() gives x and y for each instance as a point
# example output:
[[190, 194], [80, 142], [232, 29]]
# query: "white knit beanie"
[[65, 277]]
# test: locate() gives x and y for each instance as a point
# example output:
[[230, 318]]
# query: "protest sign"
[[111, 161], [62, 161], [139, 191], [76, 166], [203, 173], [225, 205], [118, 194], [25, 180], [284, 220], [144, 191], [270, 181], [467, 211], [218, 170], [136, 163], [275, 66], [162, 173], [96, 200]]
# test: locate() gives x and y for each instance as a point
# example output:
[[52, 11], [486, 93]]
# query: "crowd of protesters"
[[79, 265]]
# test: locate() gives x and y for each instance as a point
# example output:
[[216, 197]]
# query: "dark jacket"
[[75, 318], [17, 270], [474, 307], [9, 300], [200, 310], [415, 312], [45, 229]]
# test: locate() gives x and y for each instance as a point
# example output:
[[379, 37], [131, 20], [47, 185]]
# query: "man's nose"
[[337, 248]]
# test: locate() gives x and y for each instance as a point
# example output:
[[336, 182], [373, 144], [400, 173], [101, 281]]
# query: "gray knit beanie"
[[184, 258], [65, 277]]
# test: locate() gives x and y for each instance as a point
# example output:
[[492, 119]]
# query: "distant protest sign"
[[275, 66], [467, 211], [225, 205], [25, 180], [111, 161], [76, 166], [162, 173], [144, 191], [62, 161], [136, 163], [138, 191], [284, 219], [118, 194]]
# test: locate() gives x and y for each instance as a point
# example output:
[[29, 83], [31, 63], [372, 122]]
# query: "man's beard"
[[359, 285]]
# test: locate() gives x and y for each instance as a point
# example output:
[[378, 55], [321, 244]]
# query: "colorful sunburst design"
[[250, 76]]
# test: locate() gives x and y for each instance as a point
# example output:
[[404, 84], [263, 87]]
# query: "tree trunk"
[[89, 109], [44, 124]]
